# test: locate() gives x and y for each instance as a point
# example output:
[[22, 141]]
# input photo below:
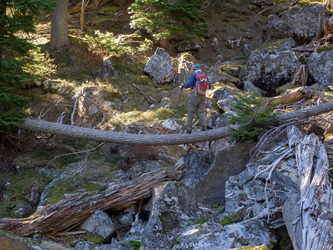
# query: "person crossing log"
[[158, 139]]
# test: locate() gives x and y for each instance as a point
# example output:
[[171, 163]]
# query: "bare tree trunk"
[[83, 7], [59, 22], [74, 209], [316, 216]]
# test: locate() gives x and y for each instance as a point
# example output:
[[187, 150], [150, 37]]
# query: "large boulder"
[[160, 68], [214, 236], [196, 165], [271, 66], [99, 223], [206, 174], [174, 207], [225, 96], [300, 24], [216, 75], [320, 65]]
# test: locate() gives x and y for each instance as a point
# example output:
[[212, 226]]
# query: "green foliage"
[[225, 222], [96, 239], [252, 117], [11, 104], [19, 16], [21, 183], [35, 66], [135, 244], [200, 221], [16, 16], [108, 43], [162, 19], [144, 118]]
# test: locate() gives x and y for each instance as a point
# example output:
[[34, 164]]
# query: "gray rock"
[[84, 245], [226, 104], [300, 24], [291, 215], [106, 71], [135, 233], [100, 224], [321, 67], [271, 67], [249, 87], [228, 162], [160, 68], [174, 206], [215, 74], [196, 165], [214, 236]]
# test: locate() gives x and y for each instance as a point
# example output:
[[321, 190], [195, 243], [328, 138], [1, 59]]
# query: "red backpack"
[[201, 84]]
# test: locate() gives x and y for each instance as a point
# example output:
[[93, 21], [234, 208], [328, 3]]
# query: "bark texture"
[[157, 139], [74, 209], [316, 215], [59, 29]]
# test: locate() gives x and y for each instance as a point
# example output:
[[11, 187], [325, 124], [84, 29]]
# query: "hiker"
[[197, 98]]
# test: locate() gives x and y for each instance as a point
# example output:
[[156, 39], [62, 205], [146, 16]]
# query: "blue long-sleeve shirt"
[[192, 80]]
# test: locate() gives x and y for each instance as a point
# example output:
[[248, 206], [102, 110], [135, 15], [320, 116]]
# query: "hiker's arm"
[[190, 81]]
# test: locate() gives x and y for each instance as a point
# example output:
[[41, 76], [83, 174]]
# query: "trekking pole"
[[180, 94]]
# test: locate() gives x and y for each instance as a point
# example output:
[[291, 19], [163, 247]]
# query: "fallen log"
[[158, 139], [70, 212], [289, 97]]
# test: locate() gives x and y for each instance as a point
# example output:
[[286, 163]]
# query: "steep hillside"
[[42, 169]]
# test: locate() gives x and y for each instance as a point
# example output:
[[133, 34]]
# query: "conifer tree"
[[251, 115], [163, 18], [15, 16]]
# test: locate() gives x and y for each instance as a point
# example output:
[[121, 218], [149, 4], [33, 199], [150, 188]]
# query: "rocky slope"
[[230, 195]]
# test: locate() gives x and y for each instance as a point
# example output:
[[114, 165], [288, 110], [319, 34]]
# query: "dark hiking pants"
[[196, 102]]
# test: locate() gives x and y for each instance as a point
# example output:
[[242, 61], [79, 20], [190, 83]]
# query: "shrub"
[[251, 116]]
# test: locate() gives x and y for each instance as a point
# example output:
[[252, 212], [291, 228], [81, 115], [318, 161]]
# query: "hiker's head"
[[196, 67]]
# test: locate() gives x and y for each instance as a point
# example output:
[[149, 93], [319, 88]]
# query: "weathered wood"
[[75, 208], [302, 114], [158, 139], [316, 194], [291, 96]]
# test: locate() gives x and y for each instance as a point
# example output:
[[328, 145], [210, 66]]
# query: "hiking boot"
[[203, 129], [189, 131]]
